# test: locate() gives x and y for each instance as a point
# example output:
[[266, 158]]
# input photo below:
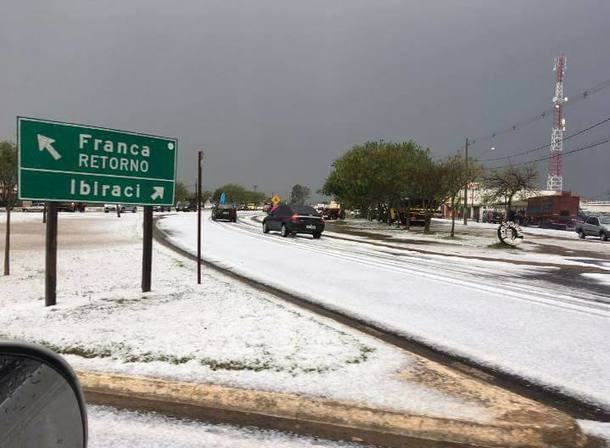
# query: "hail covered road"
[[494, 312]]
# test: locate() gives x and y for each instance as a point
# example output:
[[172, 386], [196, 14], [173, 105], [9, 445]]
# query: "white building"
[[595, 206]]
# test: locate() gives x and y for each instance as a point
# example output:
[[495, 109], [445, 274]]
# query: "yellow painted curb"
[[519, 423]]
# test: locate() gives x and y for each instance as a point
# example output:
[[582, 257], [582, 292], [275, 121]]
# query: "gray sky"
[[273, 90]]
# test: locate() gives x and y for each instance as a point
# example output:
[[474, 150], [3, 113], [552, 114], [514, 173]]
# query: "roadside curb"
[[539, 427]]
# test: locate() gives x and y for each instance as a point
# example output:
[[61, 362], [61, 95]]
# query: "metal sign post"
[[466, 184], [199, 170], [147, 249], [50, 296]]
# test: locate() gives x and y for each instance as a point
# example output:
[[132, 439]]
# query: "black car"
[[186, 207], [293, 219], [224, 211], [162, 208]]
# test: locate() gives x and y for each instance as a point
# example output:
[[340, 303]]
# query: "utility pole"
[[199, 169], [466, 183]]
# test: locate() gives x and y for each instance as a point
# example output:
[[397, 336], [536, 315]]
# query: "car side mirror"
[[41, 401]]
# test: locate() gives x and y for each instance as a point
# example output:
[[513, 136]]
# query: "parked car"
[[492, 216], [123, 208], [162, 208], [224, 211], [33, 207], [71, 207], [293, 219], [594, 226], [185, 207]]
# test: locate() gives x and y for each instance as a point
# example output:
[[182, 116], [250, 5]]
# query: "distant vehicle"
[[492, 216], [556, 212], [71, 207], [594, 226], [407, 208], [267, 208], [162, 208], [333, 210], [293, 219], [32, 206], [123, 208], [185, 207], [227, 212]]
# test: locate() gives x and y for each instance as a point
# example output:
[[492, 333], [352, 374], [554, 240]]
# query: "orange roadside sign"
[[275, 200]]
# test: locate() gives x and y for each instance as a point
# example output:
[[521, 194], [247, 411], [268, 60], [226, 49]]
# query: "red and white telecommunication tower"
[[555, 179]]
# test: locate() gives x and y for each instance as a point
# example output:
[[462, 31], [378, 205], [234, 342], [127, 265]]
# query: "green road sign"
[[71, 162]]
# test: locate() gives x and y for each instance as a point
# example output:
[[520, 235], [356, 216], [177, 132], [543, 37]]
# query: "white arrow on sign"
[[46, 143], [158, 193]]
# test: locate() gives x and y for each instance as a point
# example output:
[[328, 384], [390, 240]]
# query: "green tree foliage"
[[182, 193], [8, 182], [375, 175], [8, 172], [237, 194], [379, 175], [205, 195], [299, 194]]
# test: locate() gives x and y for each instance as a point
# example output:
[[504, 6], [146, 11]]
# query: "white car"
[[594, 226], [33, 207]]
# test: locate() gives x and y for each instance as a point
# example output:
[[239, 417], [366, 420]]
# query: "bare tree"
[[505, 183], [299, 194], [455, 174]]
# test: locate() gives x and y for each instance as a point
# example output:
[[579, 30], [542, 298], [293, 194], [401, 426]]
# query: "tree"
[[299, 194], [504, 184], [182, 194], [205, 195], [456, 174], [8, 183], [236, 194], [428, 187], [375, 175]]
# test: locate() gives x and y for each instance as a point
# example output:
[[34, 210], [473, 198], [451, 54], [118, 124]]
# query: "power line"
[[583, 148], [538, 148], [523, 123]]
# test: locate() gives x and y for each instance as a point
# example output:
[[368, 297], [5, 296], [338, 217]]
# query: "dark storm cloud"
[[274, 90]]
